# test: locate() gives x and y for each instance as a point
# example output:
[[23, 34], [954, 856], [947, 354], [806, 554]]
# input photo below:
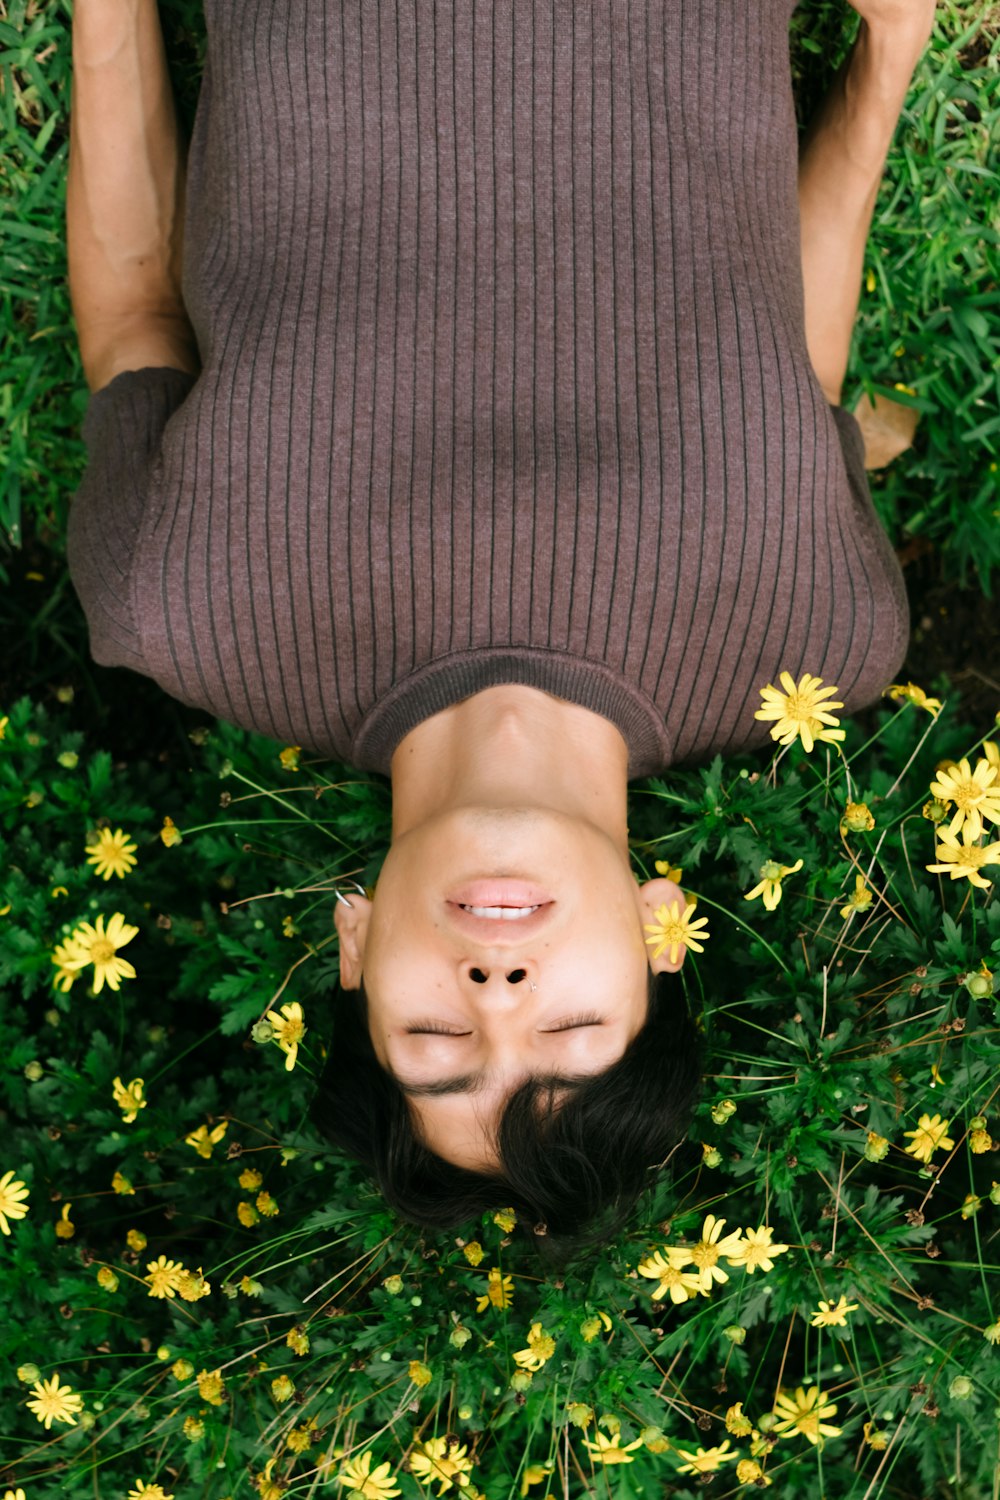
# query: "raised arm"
[[841, 160], [125, 195]]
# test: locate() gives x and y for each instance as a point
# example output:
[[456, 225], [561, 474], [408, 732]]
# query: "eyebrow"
[[472, 1083]]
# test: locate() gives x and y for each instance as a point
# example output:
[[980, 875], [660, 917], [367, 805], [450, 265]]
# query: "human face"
[[462, 1009]]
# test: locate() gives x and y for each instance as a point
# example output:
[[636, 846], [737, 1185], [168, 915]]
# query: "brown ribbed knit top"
[[505, 379]]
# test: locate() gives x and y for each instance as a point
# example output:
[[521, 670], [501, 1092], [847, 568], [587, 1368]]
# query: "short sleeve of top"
[[123, 432]]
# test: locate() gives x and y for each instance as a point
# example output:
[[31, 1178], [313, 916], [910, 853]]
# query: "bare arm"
[[841, 161], [125, 193]]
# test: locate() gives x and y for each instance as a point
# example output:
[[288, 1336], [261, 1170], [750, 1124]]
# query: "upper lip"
[[499, 931]]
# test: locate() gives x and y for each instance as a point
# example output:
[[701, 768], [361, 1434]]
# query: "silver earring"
[[344, 898]]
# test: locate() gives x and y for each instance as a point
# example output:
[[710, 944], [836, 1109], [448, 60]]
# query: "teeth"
[[505, 913]]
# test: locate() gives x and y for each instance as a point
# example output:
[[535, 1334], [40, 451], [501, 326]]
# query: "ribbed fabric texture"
[[505, 379]]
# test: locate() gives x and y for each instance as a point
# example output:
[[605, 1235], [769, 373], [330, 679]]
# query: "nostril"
[[477, 976], [516, 976]]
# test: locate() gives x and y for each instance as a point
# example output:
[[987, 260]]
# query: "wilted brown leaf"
[[887, 428]]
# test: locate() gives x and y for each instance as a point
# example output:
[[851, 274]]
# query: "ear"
[[351, 923], [652, 895]]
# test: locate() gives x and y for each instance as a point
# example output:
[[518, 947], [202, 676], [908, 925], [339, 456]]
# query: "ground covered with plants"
[[200, 1298]]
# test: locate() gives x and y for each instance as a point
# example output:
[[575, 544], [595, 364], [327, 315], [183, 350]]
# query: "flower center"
[[705, 1254], [102, 951]]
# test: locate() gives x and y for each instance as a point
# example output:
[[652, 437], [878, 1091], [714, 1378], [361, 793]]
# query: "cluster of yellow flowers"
[[753, 1249], [975, 793]]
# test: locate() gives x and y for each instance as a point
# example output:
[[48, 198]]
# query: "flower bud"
[[992, 1333], [710, 1156], [961, 1388], [654, 1439], [520, 1380], [980, 1141], [748, 1471], [107, 1279], [734, 1333], [970, 1205], [580, 1414], [935, 811], [979, 986], [464, 1413], [857, 818], [995, 1194], [393, 1285], [460, 1335], [86, 1420], [766, 1421], [182, 1369], [723, 1111], [877, 1147], [33, 1071], [163, 1353], [28, 1374], [194, 1429], [282, 1389], [262, 1031]]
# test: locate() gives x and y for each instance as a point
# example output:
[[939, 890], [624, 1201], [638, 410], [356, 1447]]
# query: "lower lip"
[[500, 893]]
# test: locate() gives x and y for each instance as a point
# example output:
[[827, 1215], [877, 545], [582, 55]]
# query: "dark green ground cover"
[[819, 1030]]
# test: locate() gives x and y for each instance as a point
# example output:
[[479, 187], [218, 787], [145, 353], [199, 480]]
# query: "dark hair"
[[576, 1169]]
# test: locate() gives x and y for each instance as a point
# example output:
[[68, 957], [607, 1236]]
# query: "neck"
[[513, 746]]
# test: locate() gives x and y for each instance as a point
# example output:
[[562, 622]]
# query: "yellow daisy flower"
[[705, 1460], [803, 1412], [975, 793], [499, 1291], [534, 1474], [609, 1450], [756, 1250], [930, 1135], [473, 1252], [17, 1494], [672, 872], [443, 1460], [541, 1347], [736, 1422], [860, 900], [288, 1031], [204, 1139], [97, 945], [67, 971], [665, 1268], [900, 692], [711, 1246], [165, 1277], [129, 1099], [675, 930], [800, 711], [211, 1387], [772, 874], [52, 1402], [374, 1484], [111, 853], [12, 1196], [830, 1315], [966, 859], [143, 1491]]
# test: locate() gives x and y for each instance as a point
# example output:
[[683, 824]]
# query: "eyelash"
[[428, 1030]]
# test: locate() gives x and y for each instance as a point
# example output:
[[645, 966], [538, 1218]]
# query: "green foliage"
[[824, 1035]]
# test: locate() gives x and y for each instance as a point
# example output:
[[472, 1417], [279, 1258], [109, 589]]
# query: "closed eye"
[[427, 1028]]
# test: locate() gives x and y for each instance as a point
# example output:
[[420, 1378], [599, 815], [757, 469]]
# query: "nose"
[[483, 973]]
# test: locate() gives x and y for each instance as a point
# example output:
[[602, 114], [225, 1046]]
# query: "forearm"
[[126, 183], [841, 161]]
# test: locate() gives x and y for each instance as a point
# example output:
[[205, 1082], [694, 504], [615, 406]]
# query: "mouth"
[[499, 924]]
